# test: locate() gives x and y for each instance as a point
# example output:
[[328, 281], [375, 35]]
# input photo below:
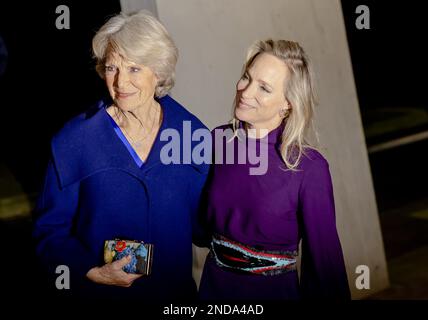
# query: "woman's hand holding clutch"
[[113, 274]]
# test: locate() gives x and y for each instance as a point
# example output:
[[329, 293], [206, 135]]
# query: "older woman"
[[257, 220], [106, 178]]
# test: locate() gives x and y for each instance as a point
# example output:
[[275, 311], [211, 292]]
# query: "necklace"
[[137, 143]]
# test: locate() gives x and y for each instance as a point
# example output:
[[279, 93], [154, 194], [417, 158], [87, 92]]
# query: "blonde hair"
[[141, 38], [299, 92]]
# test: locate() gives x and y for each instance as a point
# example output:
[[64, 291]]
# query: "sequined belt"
[[243, 258]]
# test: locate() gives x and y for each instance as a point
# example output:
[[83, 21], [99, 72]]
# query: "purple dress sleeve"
[[323, 272]]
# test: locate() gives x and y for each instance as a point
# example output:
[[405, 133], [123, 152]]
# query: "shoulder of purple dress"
[[315, 170], [312, 158], [223, 127]]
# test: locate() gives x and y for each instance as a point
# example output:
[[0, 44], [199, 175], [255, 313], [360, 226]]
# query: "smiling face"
[[131, 85], [260, 92]]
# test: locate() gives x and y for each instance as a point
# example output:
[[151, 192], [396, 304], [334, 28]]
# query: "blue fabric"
[[3, 56], [93, 192], [125, 141]]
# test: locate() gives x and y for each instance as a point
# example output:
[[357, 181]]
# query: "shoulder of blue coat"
[[74, 147], [77, 125], [178, 113]]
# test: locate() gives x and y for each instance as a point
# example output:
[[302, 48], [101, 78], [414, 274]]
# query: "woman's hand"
[[112, 274]]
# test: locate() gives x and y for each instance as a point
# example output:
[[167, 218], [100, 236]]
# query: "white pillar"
[[130, 6]]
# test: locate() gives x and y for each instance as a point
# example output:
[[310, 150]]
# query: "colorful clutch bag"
[[141, 255]]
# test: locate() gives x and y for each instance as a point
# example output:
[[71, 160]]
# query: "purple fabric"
[[273, 212]]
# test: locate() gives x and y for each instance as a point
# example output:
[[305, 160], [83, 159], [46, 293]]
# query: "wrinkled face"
[[131, 85], [260, 92]]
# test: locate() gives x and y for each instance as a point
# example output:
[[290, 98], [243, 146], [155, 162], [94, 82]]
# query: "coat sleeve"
[[323, 273], [200, 236], [198, 198], [54, 217]]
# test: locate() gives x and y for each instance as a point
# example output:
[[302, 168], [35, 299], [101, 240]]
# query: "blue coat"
[[94, 191]]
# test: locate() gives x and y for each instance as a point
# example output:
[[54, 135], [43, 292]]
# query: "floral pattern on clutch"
[[141, 255]]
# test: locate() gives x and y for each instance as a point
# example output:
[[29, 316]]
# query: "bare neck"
[[147, 116]]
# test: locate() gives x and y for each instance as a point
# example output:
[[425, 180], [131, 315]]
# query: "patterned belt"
[[243, 258]]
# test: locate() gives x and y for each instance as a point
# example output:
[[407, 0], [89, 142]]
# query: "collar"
[[88, 144], [274, 136]]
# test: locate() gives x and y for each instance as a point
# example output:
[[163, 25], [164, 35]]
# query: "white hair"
[[140, 38]]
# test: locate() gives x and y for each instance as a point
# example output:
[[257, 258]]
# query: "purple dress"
[[274, 211]]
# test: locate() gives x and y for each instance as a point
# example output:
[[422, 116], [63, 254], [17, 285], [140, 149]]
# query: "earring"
[[283, 113]]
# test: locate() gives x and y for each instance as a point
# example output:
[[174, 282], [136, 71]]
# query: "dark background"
[[390, 64], [390, 69], [389, 59], [50, 77]]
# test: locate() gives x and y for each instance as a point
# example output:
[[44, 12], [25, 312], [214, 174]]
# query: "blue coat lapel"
[[88, 144]]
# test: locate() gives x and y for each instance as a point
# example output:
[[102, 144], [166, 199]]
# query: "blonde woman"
[[257, 221], [106, 178]]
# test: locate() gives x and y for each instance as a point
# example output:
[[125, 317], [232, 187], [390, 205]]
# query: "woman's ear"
[[288, 105], [285, 111]]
